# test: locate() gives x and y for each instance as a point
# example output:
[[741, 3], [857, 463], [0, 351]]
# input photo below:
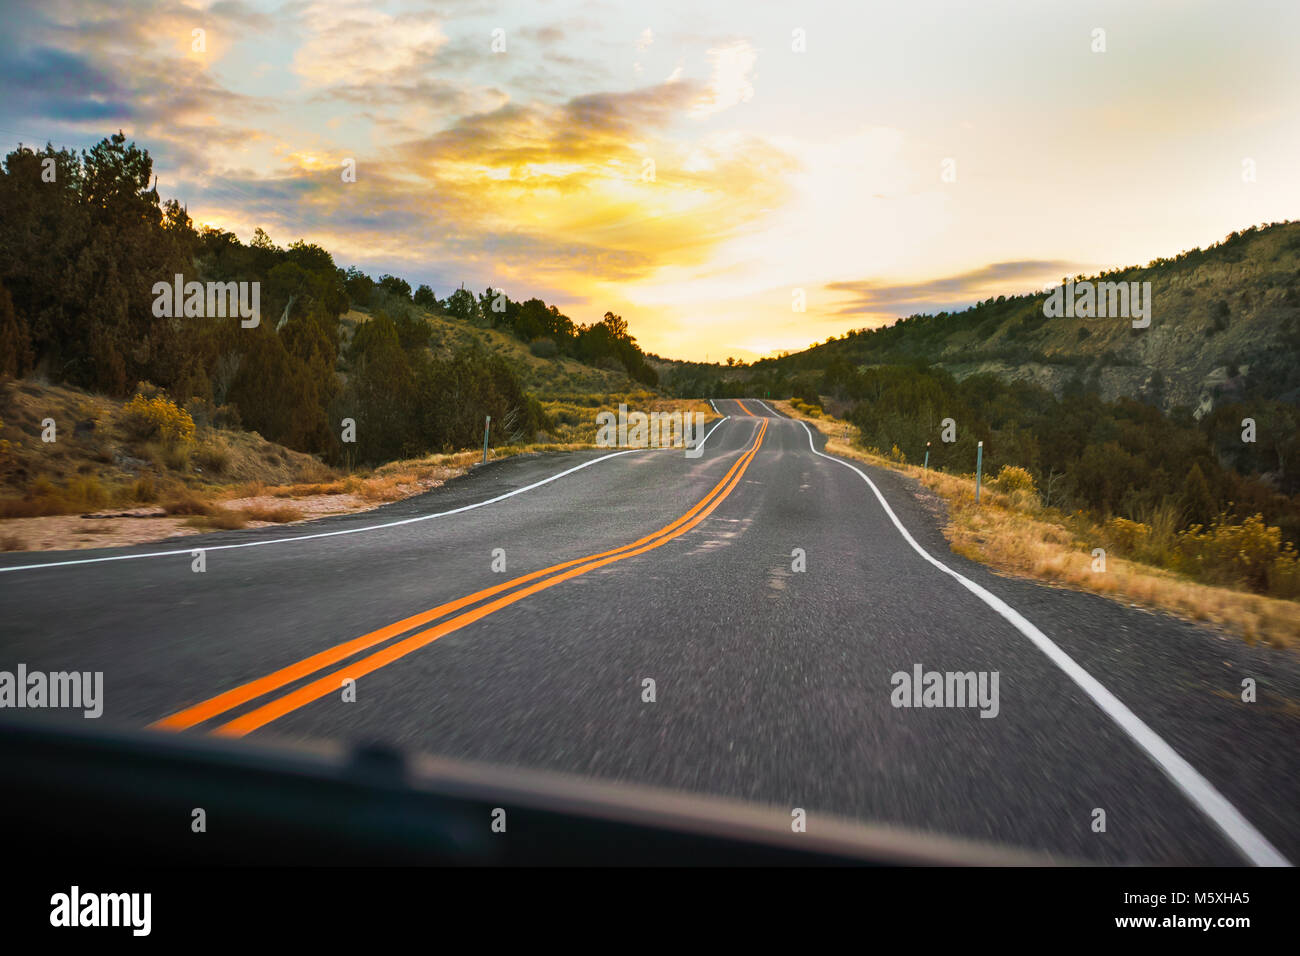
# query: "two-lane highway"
[[770, 597]]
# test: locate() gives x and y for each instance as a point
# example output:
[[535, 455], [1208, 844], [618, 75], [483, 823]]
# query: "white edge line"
[[1252, 844], [331, 534]]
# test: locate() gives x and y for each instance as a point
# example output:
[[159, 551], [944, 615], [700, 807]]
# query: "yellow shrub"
[[1126, 536], [1284, 575], [158, 417], [1249, 553], [1012, 478]]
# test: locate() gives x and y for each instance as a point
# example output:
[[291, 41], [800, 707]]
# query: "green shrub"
[[544, 348]]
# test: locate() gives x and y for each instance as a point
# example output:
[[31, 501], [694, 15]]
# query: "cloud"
[[730, 83], [60, 85], [524, 195], [441, 97], [952, 292], [356, 45], [76, 71]]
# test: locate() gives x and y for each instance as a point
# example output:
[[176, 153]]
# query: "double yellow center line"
[[331, 682]]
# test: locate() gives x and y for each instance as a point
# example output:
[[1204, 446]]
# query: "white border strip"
[[331, 534], [1252, 844]]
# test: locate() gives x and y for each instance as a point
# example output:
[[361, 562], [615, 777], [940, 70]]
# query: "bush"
[[188, 504], [1125, 536], [168, 456], [204, 412], [221, 519], [213, 455], [1250, 553], [157, 417], [84, 492], [1284, 575], [277, 514], [44, 497], [143, 490], [544, 348], [1013, 478]]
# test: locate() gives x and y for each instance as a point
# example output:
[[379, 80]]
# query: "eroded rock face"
[[1174, 364], [1225, 326]]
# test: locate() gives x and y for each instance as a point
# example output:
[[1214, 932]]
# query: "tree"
[[15, 339], [358, 286], [398, 287], [425, 298], [1199, 505], [461, 305]]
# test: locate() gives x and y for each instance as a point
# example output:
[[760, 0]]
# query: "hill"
[[1225, 327], [546, 376], [106, 288]]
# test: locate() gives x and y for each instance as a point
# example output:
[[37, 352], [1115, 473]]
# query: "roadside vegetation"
[[1238, 573], [145, 469], [360, 388], [82, 250], [1226, 328]]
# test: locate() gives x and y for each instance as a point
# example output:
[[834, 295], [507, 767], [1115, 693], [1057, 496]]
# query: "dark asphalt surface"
[[772, 685]]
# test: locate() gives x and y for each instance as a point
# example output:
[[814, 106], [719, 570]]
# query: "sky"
[[733, 178]]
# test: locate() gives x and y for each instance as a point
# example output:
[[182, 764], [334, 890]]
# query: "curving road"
[[771, 683]]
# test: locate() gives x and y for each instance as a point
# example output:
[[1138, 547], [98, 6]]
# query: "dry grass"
[[188, 503], [395, 480], [79, 493], [102, 458], [221, 519], [574, 418], [224, 478], [1014, 535], [275, 514], [11, 542]]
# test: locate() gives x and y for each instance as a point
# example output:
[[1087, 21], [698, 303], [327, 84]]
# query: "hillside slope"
[[544, 376], [1225, 326]]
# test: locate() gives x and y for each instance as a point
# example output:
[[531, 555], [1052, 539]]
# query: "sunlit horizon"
[[696, 169]]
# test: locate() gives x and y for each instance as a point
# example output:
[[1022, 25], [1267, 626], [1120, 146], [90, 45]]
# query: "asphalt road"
[[771, 684]]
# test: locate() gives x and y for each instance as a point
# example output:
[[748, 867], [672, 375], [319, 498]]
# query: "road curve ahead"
[[759, 622]]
